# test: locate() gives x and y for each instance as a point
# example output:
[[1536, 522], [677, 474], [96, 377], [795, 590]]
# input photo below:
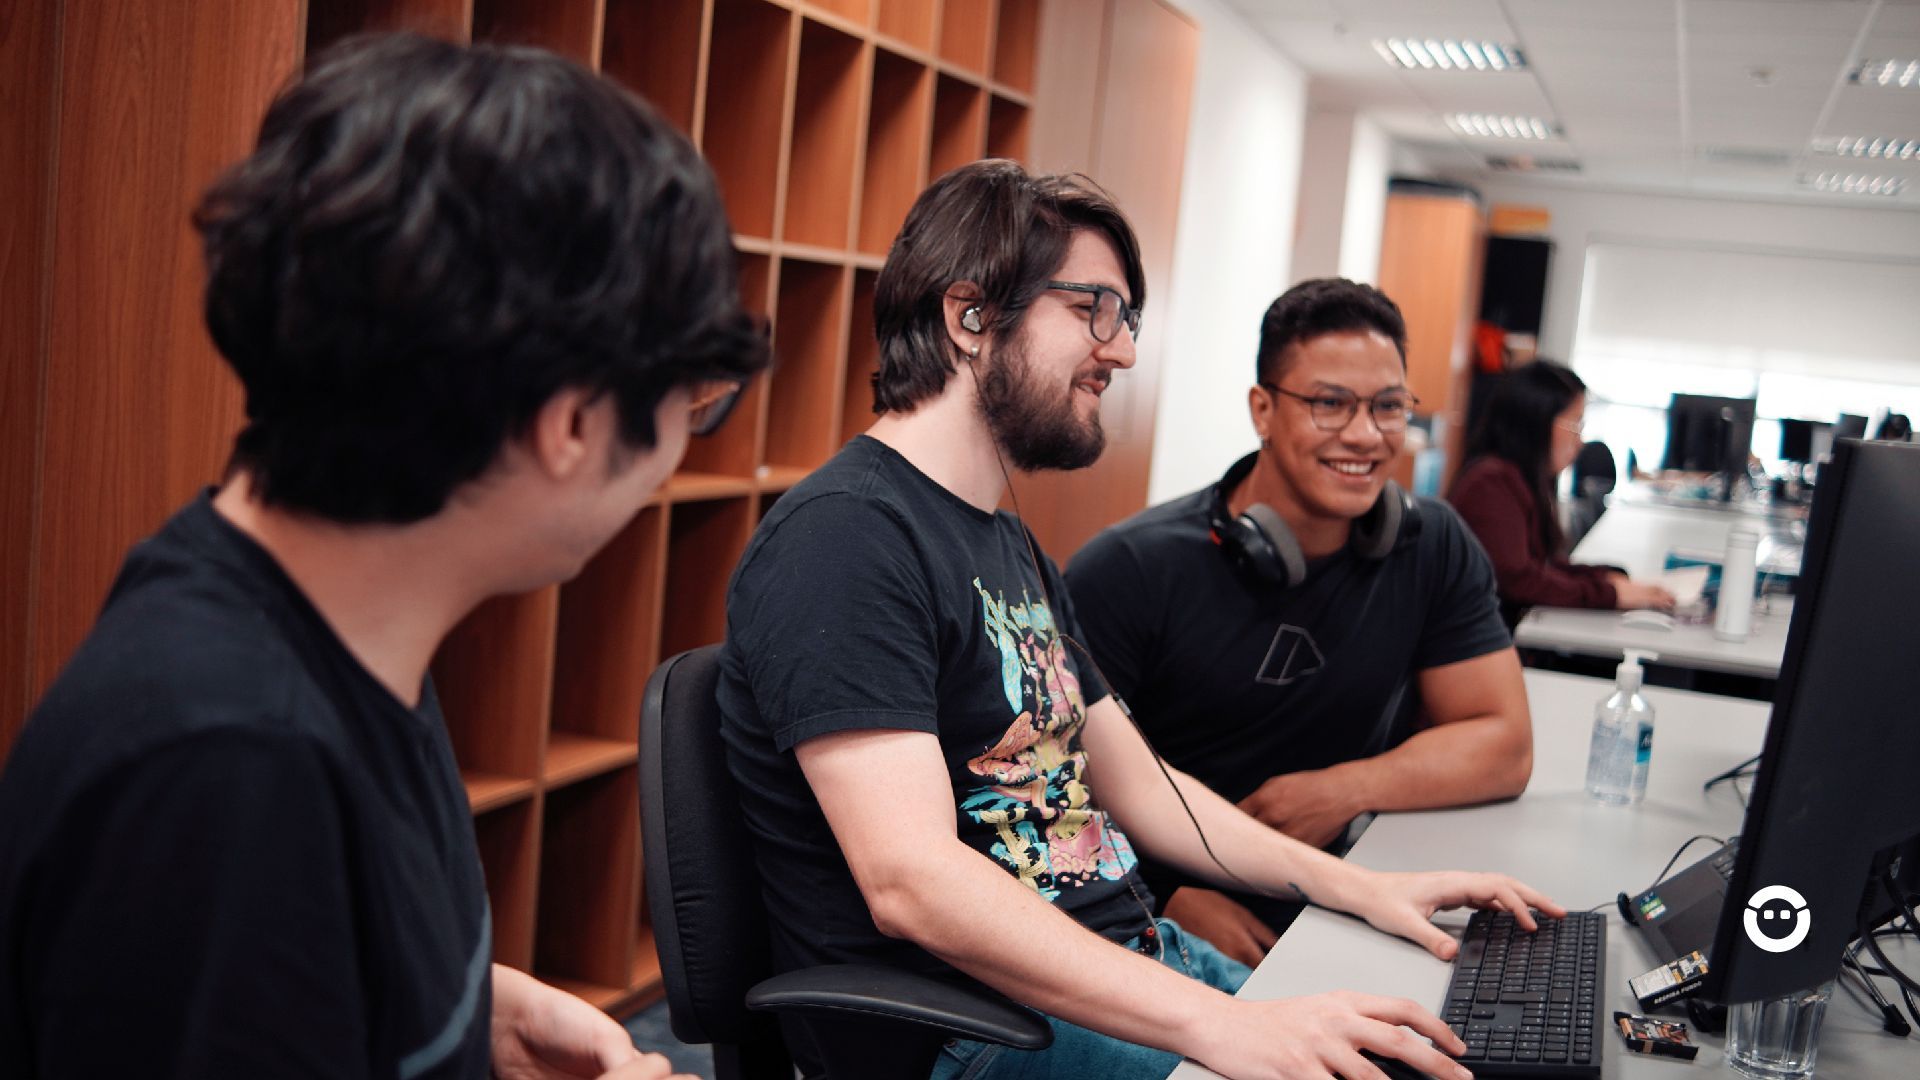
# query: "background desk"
[[1581, 854], [1638, 537]]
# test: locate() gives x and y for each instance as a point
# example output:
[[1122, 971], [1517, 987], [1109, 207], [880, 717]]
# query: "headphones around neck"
[[1264, 549]]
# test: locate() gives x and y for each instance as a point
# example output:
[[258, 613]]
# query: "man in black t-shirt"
[[478, 299], [1298, 637], [933, 771]]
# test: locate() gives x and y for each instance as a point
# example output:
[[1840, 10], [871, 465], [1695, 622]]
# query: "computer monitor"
[[1796, 441], [1836, 802], [1849, 426], [1709, 434]]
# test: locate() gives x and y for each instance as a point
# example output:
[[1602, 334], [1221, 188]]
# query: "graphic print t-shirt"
[[873, 598]]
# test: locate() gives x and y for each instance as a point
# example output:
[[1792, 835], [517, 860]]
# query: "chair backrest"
[[703, 888], [1593, 470]]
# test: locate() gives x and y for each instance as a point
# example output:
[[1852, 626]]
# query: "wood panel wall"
[[1431, 251], [1118, 114]]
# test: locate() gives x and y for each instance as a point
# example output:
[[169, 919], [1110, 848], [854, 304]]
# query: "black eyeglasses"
[[712, 402], [1108, 310], [1334, 409]]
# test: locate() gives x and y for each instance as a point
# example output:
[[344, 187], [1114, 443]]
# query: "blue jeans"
[[1078, 1053]]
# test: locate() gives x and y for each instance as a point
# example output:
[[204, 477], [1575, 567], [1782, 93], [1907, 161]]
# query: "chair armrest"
[[874, 992]]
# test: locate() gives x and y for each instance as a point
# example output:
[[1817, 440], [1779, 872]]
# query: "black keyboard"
[[1529, 1004]]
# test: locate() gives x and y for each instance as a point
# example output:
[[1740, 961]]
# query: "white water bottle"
[[1622, 747], [1733, 619]]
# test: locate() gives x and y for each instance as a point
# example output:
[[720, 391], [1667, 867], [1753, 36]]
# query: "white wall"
[[1584, 217], [1369, 165], [1319, 226], [1234, 250]]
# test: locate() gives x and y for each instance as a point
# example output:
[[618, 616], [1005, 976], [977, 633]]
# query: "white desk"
[[1638, 537], [1581, 854]]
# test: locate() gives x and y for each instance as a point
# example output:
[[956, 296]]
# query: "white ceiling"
[[1650, 94]]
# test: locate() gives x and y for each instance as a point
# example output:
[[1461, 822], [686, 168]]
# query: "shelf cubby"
[[966, 33], [809, 338], [568, 27], [959, 125], [863, 359], [1015, 30], [1006, 129], [747, 85], [494, 676], [704, 541], [857, 12], [826, 136], [589, 880], [509, 841], [335, 19], [898, 129], [608, 642], [909, 22], [653, 48]]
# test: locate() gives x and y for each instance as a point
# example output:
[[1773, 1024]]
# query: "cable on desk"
[[1661, 876]]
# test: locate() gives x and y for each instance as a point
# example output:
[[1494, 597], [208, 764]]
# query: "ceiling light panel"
[[1854, 183], [1861, 146], [1892, 74], [1490, 126], [1448, 54]]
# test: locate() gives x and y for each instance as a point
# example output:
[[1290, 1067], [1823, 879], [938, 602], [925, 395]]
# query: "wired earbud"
[[970, 321]]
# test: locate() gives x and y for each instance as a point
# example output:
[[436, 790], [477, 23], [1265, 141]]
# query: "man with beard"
[[914, 729], [1373, 673]]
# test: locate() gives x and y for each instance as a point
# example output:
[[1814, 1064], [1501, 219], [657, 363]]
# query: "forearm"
[[1256, 858], [1078, 976], [1475, 760]]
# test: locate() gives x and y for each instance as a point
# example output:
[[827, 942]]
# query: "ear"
[[960, 298], [563, 433], [1260, 407]]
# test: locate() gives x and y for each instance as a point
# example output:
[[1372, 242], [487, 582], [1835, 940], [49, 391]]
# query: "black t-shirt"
[[226, 850], [1235, 682], [873, 598]]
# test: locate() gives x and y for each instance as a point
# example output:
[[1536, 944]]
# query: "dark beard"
[[1036, 427]]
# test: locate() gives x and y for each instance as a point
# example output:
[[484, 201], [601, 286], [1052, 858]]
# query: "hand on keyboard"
[[1403, 904], [1327, 1033]]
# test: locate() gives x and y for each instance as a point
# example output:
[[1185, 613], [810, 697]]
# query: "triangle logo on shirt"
[[1292, 656]]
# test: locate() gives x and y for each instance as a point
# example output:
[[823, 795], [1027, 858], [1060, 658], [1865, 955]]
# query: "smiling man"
[[934, 775], [1302, 637]]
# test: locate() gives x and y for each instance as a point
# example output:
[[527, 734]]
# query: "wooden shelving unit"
[[822, 119]]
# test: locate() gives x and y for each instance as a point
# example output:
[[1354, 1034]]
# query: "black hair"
[[1006, 231], [1518, 427], [428, 242], [1322, 306]]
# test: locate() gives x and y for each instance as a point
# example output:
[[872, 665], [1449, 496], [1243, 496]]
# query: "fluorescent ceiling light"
[[1488, 126], [1855, 183], [1449, 54], [1904, 74], [1861, 146]]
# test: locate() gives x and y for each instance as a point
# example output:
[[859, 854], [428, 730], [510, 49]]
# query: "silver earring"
[[975, 351]]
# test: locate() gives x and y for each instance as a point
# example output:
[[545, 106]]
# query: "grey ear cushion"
[[1282, 540], [1375, 534]]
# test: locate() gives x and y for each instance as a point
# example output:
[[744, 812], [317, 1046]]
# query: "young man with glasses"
[[1299, 637], [478, 299], [917, 733]]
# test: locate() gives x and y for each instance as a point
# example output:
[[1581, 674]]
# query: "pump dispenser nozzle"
[[1628, 676]]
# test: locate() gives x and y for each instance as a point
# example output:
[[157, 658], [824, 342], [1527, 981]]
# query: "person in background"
[[479, 299], [1504, 491]]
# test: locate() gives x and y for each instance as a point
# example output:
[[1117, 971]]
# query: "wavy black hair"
[[994, 224], [1517, 425], [428, 242], [1321, 306]]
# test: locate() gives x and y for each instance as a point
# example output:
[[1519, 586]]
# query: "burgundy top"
[[1494, 499]]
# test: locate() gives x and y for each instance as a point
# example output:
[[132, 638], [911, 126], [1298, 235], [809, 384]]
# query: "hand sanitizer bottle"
[[1622, 746]]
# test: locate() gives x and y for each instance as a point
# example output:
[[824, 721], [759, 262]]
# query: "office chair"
[[1594, 478], [710, 925]]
